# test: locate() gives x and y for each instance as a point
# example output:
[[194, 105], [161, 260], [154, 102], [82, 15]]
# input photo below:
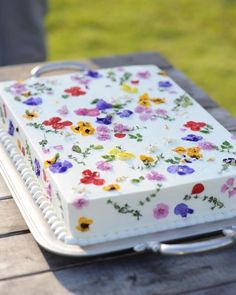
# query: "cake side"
[[127, 151]]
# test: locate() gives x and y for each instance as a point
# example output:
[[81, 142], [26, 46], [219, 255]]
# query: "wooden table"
[[25, 268]]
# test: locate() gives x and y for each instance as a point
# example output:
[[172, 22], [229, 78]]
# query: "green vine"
[[182, 102], [71, 157], [212, 200]]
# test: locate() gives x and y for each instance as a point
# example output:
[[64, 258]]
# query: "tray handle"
[[55, 66], [228, 238]]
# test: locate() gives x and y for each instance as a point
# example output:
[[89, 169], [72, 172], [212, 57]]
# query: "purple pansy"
[[106, 120], [125, 113], [103, 105], [180, 169], [60, 166], [164, 84], [17, 88], [33, 101], [80, 203], [154, 175], [11, 128], [37, 167], [93, 74], [161, 211], [120, 128], [104, 166], [229, 187], [192, 137], [183, 210], [206, 145]]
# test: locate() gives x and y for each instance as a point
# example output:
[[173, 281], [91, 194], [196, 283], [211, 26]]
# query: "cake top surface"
[[107, 132]]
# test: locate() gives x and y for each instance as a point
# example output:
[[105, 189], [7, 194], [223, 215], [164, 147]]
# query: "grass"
[[198, 37]]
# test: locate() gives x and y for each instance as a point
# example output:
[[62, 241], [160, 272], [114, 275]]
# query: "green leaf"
[[76, 148], [95, 101]]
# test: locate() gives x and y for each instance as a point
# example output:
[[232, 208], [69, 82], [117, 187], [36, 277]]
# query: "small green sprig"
[[211, 200], [174, 161], [125, 209], [182, 102], [138, 137], [71, 157]]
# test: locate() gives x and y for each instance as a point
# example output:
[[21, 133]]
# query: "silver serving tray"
[[155, 242]]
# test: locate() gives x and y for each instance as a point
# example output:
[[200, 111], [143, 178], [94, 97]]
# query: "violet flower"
[[120, 128], [208, 146], [11, 128], [37, 167], [229, 187], [183, 210], [103, 105], [192, 137], [93, 74], [106, 120], [125, 113], [33, 101], [60, 167], [104, 166], [164, 84], [80, 203], [180, 169]]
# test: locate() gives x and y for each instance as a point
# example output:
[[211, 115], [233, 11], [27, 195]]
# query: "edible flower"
[[111, 187], [30, 115], [75, 91], [90, 177], [84, 224]]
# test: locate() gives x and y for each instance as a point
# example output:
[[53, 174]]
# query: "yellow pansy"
[[83, 224], [75, 129], [145, 158], [115, 151], [30, 115], [194, 152], [111, 187], [48, 163], [124, 156], [129, 89], [158, 100], [180, 150], [85, 131], [144, 96], [26, 93]]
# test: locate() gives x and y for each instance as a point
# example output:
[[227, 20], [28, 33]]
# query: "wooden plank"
[[11, 219], [4, 191], [143, 58], [143, 274]]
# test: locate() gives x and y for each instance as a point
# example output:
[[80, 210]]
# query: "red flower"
[[56, 123], [135, 81], [75, 91], [197, 188], [119, 135], [91, 178], [195, 126]]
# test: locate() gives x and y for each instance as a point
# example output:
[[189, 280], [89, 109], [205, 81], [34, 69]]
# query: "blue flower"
[[93, 74], [180, 169], [37, 167], [125, 113], [103, 105], [106, 120], [60, 167], [183, 210], [11, 128], [33, 101], [192, 137], [164, 84]]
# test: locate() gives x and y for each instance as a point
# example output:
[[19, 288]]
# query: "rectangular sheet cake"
[[121, 152]]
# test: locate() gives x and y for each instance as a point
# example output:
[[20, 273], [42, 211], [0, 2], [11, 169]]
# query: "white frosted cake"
[[121, 152]]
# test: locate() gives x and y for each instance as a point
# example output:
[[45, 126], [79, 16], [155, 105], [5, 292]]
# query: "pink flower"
[[229, 186], [58, 147], [102, 129], [140, 109], [206, 145], [144, 75], [120, 128], [80, 203], [82, 81], [154, 175], [145, 117], [104, 166], [161, 211], [161, 112], [103, 136], [87, 112]]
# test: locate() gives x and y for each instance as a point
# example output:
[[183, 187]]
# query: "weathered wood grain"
[[13, 221], [142, 274], [143, 58], [4, 191]]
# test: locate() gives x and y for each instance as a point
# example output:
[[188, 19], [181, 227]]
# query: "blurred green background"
[[197, 36]]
